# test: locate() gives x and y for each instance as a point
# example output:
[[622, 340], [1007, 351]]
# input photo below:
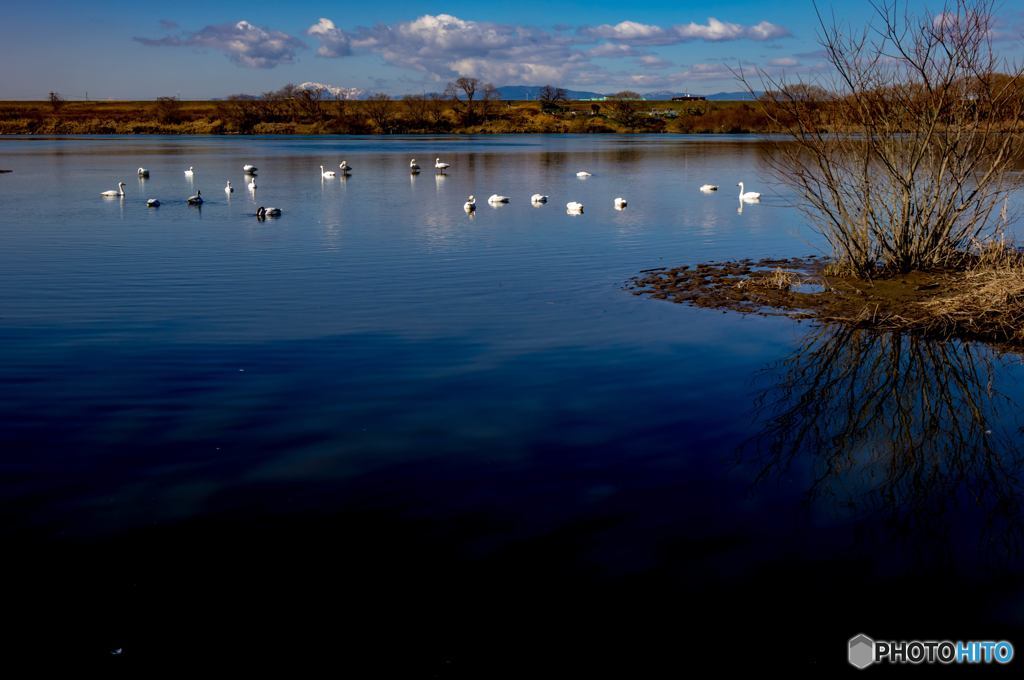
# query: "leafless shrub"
[[625, 108], [924, 124], [168, 110], [379, 110], [417, 111], [309, 102]]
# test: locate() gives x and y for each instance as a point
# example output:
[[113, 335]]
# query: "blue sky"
[[199, 50]]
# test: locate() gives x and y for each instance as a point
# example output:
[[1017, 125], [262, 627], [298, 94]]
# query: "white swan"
[[438, 165], [249, 169], [748, 195], [229, 189], [152, 203], [708, 188], [583, 174], [252, 184], [114, 193], [189, 172], [262, 212], [574, 208], [620, 203], [470, 205], [414, 167], [345, 167], [538, 199], [143, 173], [326, 173], [497, 198], [197, 199]]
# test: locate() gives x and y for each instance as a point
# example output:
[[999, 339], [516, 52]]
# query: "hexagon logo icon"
[[861, 651]]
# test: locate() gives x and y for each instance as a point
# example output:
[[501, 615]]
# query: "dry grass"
[[778, 279], [987, 299], [225, 117]]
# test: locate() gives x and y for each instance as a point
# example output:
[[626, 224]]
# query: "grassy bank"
[[411, 116]]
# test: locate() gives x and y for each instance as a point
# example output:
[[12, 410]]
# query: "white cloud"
[[713, 31], [443, 46], [244, 43], [630, 31], [654, 61], [333, 41]]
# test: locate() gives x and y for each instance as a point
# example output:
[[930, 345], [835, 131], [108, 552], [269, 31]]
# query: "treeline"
[[466, 106]]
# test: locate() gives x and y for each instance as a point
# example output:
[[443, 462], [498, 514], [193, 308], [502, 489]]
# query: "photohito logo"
[[863, 651]]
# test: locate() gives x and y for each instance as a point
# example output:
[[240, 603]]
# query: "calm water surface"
[[380, 429]]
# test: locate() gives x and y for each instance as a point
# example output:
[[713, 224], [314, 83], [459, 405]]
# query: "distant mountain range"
[[527, 92]]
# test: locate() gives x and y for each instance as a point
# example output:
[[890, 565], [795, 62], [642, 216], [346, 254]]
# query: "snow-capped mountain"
[[334, 90]]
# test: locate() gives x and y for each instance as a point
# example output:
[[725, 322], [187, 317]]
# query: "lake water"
[[380, 430]]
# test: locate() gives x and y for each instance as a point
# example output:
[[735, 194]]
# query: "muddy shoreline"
[[972, 304]]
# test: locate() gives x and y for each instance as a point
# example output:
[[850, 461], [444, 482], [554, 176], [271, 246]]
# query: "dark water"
[[378, 431]]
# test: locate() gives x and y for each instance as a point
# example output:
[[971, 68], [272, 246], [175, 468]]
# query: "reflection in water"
[[909, 428]]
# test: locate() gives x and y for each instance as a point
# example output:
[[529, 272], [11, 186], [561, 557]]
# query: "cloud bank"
[[440, 47], [244, 43]]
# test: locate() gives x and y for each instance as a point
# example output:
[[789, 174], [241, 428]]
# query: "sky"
[[203, 50]]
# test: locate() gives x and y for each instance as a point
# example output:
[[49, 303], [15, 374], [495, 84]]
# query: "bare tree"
[[240, 112], [168, 110], [380, 111], [417, 111], [462, 93], [551, 98], [625, 108], [489, 101], [437, 111], [309, 102], [56, 102], [904, 168]]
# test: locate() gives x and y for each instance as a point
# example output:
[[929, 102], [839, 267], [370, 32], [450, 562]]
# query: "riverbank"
[[982, 298], [409, 116]]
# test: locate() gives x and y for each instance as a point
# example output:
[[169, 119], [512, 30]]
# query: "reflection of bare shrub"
[[897, 424]]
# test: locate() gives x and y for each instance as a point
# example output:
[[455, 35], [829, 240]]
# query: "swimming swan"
[[249, 169], [263, 213], [143, 173], [189, 172], [229, 189], [708, 188], [438, 165], [414, 166], [538, 199], [252, 184], [197, 199], [470, 205], [582, 174], [748, 195], [152, 203], [620, 203], [345, 167], [326, 173], [574, 208], [114, 193], [495, 198]]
